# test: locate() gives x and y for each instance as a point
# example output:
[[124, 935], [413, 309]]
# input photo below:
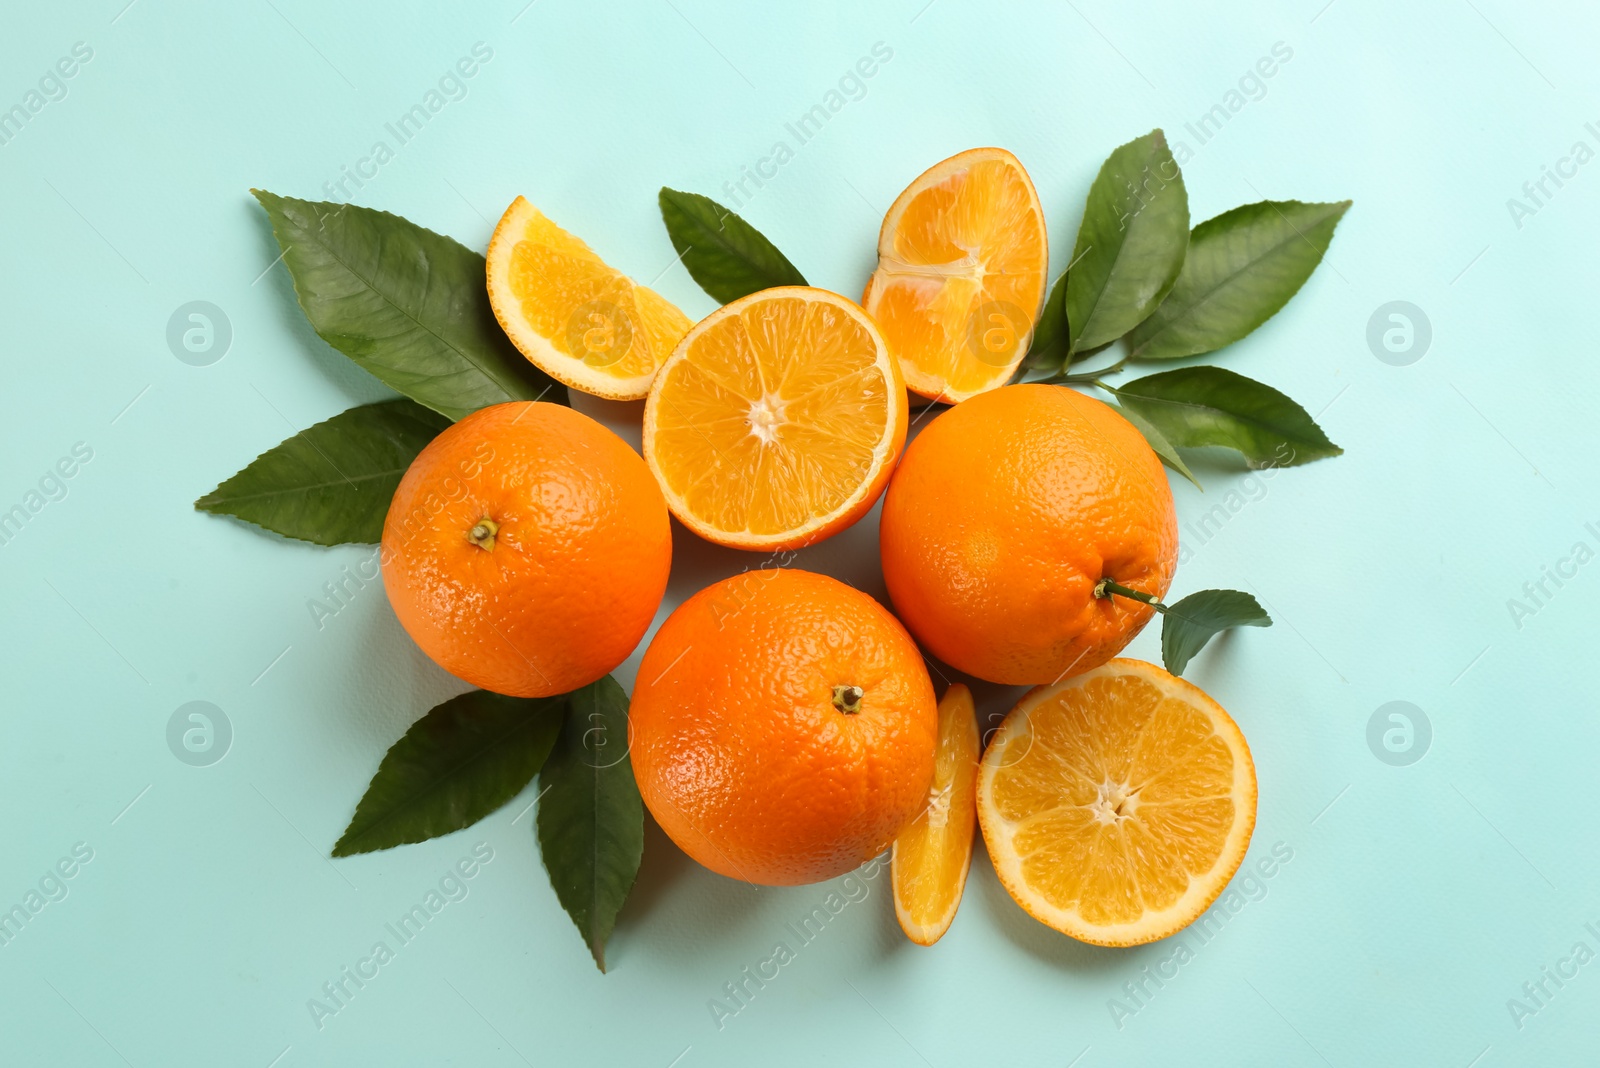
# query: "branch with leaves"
[[1139, 274]]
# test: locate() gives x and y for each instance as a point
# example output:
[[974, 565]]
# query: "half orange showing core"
[[1117, 805], [579, 321], [777, 420], [962, 259], [934, 851]]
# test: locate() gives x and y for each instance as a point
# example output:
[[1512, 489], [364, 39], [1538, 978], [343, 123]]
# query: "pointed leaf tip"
[[455, 765], [1131, 244], [1187, 625], [403, 302], [725, 255], [1241, 268], [1198, 406], [331, 483], [591, 818]]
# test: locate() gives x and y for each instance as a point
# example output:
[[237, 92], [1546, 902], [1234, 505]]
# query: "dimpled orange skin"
[[736, 743], [1004, 514], [578, 563]]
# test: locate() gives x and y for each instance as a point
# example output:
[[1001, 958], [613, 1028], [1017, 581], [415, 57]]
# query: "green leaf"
[[460, 762], [727, 256], [591, 819], [405, 303], [1198, 406], [330, 484], [1131, 244], [1241, 268], [1159, 444], [1048, 349], [1187, 625]]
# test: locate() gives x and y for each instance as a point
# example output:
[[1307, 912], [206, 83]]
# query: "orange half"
[[962, 260], [578, 320], [933, 853], [777, 420], [1117, 805]]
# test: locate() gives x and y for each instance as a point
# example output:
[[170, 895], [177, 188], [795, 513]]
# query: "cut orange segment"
[[777, 420], [933, 852], [962, 259], [1117, 805], [579, 321]]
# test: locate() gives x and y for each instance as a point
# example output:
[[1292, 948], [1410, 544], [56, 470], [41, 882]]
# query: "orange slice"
[[933, 852], [1117, 805], [962, 258], [579, 321], [777, 420]]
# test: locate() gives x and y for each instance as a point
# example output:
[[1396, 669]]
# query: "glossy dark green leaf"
[[1242, 267], [727, 256], [330, 484], [1131, 244], [460, 762], [1188, 624], [591, 818], [1197, 406], [1159, 444], [1047, 352], [405, 303]]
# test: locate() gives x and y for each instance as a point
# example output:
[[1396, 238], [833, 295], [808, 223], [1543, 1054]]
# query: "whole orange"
[[1005, 513], [527, 549], [782, 727]]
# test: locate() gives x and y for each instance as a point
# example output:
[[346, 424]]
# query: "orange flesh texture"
[[773, 417], [933, 853], [1118, 798], [961, 279], [553, 273]]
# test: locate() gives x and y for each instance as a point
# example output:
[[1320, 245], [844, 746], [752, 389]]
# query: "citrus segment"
[[777, 420], [578, 320], [1117, 805], [962, 260], [934, 851]]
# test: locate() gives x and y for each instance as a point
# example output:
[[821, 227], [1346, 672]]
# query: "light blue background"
[[1419, 899]]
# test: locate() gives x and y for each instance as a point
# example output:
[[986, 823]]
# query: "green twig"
[[1088, 378], [1105, 588]]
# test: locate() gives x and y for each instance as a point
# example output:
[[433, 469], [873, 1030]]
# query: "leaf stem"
[[1106, 587], [1088, 378]]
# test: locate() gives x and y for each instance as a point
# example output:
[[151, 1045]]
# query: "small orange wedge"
[[934, 851], [1117, 805], [777, 420], [962, 259], [576, 319]]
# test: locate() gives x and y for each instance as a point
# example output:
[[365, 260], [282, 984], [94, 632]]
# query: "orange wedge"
[[579, 321], [777, 420], [933, 852], [962, 258], [1117, 805]]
